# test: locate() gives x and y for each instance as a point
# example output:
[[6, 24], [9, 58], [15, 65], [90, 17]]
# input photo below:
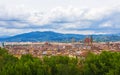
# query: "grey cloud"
[[65, 20]]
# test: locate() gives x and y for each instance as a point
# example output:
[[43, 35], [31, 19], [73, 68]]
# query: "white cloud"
[[106, 24], [60, 19]]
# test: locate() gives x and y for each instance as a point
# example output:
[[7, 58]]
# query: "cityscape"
[[59, 37], [71, 49]]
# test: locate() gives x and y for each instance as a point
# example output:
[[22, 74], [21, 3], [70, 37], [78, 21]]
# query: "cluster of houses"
[[76, 49], [73, 49]]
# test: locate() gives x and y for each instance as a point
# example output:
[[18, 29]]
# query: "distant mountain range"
[[57, 37]]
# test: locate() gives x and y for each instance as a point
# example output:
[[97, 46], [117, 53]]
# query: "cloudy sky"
[[64, 16]]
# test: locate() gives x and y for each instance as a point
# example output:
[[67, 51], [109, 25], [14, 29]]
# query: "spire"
[[72, 40]]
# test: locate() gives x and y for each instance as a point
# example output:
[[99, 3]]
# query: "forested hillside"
[[58, 37]]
